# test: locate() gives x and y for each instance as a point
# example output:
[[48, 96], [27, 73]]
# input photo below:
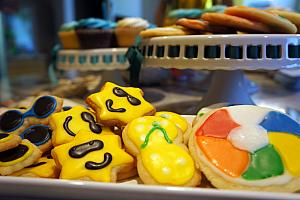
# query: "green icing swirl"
[[156, 126], [265, 163]]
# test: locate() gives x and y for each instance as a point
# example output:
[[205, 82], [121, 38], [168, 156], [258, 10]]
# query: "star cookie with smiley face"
[[92, 157], [67, 124], [117, 106]]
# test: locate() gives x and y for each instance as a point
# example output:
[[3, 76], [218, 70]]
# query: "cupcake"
[[95, 33], [68, 36], [128, 29]]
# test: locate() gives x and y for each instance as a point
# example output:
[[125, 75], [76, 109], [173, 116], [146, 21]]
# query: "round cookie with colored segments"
[[15, 159], [92, 156], [166, 31], [203, 26], [117, 106], [43, 168], [291, 16], [237, 23], [15, 121], [39, 135], [179, 121], [162, 158], [9, 141], [67, 124], [249, 148], [276, 23]]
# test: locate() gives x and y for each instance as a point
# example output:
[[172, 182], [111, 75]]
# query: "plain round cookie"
[[275, 22], [203, 26], [238, 23], [166, 31]]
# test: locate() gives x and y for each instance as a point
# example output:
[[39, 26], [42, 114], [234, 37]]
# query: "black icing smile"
[[94, 165], [66, 126], [94, 126], [14, 153], [109, 103]]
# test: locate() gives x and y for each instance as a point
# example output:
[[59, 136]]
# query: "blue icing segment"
[[278, 122]]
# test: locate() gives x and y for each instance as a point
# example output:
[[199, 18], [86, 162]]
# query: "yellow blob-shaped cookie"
[[174, 117], [65, 125], [43, 168], [117, 106], [92, 157]]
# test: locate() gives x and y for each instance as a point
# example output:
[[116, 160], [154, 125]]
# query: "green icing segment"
[[265, 163]]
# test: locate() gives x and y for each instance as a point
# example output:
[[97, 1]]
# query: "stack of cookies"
[[237, 19], [120, 136]]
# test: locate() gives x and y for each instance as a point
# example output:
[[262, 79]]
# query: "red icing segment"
[[222, 154], [218, 125]]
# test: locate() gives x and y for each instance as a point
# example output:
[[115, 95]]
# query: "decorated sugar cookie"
[[179, 121], [40, 135], [248, 147], [17, 158], [43, 168], [162, 158], [117, 106], [9, 141], [65, 125], [15, 121], [92, 157]]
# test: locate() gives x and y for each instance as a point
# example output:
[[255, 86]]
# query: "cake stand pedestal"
[[227, 56], [110, 62]]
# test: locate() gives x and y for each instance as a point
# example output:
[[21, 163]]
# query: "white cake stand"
[[227, 55], [110, 61]]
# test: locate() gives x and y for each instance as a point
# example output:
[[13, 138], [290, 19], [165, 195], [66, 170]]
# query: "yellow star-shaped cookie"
[[67, 124], [92, 157], [116, 105]]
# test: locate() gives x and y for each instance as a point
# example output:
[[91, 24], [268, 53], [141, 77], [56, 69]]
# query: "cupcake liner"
[[69, 39], [95, 38], [126, 35]]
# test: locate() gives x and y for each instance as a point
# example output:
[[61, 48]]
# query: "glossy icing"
[[279, 122], [249, 137], [175, 118], [87, 164], [4, 137], [17, 154], [223, 155], [37, 134], [43, 168], [288, 146], [66, 124], [265, 163], [218, 125], [122, 109], [165, 161]]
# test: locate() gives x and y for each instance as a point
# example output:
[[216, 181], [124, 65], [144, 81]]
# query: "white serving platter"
[[38, 188]]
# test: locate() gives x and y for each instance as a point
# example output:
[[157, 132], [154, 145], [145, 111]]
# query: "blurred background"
[[28, 31]]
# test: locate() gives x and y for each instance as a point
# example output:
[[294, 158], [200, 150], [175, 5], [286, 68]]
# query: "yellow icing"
[[25, 156], [288, 146], [9, 137], [167, 163], [132, 112], [60, 135], [139, 128], [175, 118], [74, 168], [47, 170]]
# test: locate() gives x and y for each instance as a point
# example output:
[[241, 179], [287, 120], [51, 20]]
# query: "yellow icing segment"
[[59, 121], [132, 111], [25, 156], [9, 137], [175, 118], [74, 168], [168, 164], [139, 128], [47, 170], [288, 146]]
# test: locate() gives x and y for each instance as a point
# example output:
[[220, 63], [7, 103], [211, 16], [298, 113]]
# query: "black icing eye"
[[10, 120], [87, 117], [119, 92], [44, 106], [66, 108], [81, 150], [133, 101], [37, 135]]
